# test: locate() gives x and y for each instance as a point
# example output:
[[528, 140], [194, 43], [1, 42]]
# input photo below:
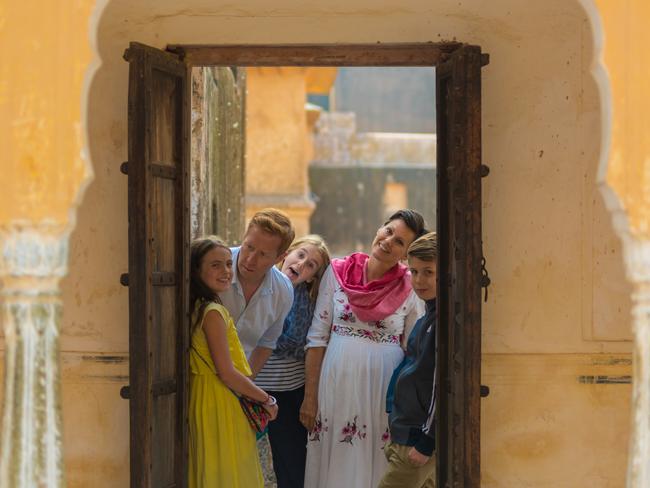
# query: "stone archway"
[[540, 55]]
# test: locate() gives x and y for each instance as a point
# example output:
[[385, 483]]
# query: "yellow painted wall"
[[41, 77], [320, 80], [547, 235], [627, 61]]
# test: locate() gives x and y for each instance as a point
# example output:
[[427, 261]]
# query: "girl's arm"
[[215, 331]]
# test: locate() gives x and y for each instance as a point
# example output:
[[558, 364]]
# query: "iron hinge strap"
[[485, 278]]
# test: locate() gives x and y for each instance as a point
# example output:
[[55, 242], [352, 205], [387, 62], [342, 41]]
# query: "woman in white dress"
[[364, 313]]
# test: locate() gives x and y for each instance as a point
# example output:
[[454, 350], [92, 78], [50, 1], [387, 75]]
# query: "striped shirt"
[[281, 374], [285, 369]]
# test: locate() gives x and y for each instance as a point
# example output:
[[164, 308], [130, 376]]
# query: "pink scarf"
[[376, 299]]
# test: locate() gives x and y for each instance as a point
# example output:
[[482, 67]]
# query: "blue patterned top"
[[291, 343]]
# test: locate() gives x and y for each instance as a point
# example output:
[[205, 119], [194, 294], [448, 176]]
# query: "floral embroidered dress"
[[345, 449]]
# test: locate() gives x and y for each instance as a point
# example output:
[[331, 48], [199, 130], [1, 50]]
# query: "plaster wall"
[[546, 236]]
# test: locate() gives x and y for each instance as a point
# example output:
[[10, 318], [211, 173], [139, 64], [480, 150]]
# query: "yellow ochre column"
[[44, 54]]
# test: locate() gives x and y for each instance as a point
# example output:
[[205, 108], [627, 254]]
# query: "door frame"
[[464, 471], [344, 55]]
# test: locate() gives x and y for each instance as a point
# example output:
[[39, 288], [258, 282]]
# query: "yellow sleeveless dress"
[[222, 447]]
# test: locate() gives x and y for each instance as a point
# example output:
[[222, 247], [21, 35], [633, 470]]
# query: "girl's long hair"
[[319, 243], [199, 291]]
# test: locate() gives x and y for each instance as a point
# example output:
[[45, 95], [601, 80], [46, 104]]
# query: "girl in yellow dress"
[[222, 448]]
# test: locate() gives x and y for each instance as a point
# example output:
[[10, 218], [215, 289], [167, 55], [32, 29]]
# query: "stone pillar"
[[621, 68], [624, 169], [638, 264], [32, 261], [277, 134], [45, 170]]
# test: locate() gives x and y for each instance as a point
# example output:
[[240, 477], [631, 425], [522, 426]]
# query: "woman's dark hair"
[[412, 219], [198, 289]]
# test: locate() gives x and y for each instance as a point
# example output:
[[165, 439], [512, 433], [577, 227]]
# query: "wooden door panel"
[[164, 311], [158, 267], [163, 441], [163, 245], [459, 289], [166, 91]]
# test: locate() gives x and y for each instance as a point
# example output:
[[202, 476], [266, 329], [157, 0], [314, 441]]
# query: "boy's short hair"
[[274, 222], [424, 248]]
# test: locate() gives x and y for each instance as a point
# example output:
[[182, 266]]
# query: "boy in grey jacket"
[[411, 396]]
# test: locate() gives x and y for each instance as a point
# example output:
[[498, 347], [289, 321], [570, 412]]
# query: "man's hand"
[[417, 458], [258, 358], [308, 411]]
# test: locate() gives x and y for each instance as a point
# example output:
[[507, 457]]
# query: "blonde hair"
[[319, 243], [276, 223], [424, 248]]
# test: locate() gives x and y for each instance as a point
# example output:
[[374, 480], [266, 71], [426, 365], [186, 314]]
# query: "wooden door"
[[458, 95], [158, 277]]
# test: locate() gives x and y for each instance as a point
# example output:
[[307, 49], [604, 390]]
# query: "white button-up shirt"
[[260, 322]]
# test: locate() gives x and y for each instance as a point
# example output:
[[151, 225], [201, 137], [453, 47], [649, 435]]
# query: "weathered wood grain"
[[398, 54]]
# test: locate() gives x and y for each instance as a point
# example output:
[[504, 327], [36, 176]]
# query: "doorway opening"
[[339, 149]]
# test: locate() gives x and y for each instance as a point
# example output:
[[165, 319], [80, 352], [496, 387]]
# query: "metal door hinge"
[[485, 278]]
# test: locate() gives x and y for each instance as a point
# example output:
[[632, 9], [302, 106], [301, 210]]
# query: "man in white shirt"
[[261, 295]]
